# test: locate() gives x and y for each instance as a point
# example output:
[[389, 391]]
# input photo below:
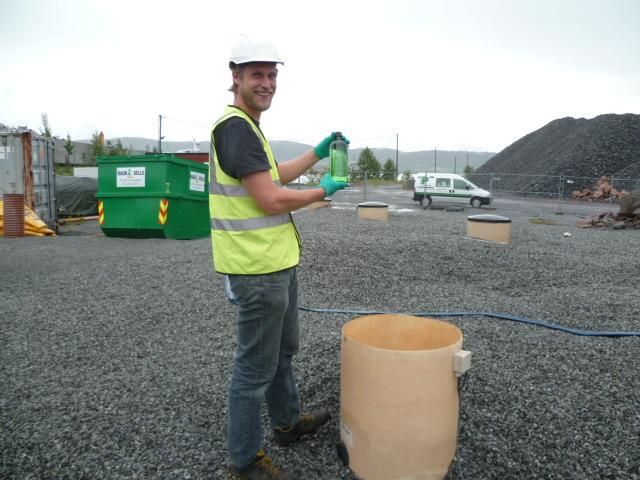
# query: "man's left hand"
[[322, 149]]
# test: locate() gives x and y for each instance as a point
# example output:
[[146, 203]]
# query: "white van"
[[449, 187]]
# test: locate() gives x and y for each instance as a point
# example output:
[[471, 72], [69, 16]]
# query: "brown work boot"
[[260, 469], [308, 424]]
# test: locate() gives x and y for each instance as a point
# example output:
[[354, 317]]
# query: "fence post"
[[365, 185], [561, 193], [611, 196], [562, 186]]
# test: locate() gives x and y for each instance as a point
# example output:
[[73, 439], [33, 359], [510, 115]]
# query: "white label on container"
[[130, 176], [196, 181], [346, 435], [5, 151]]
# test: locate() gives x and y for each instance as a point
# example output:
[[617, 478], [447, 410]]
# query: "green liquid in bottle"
[[339, 167]]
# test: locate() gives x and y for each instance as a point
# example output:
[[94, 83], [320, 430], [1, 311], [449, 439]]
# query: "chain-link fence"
[[507, 184], [549, 186], [314, 176]]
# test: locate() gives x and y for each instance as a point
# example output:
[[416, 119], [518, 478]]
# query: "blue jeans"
[[268, 333]]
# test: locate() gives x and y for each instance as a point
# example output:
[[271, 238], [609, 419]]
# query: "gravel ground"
[[116, 353]]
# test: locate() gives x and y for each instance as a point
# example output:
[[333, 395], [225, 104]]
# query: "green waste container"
[[153, 196]]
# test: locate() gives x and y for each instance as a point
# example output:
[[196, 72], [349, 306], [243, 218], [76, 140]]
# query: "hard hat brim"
[[232, 65]]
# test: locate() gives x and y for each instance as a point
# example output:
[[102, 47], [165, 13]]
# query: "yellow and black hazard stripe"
[[164, 211], [101, 212]]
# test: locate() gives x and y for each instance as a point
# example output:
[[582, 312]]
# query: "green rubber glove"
[[331, 186], [322, 149]]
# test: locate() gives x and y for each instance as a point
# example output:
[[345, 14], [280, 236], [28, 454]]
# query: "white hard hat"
[[247, 51]]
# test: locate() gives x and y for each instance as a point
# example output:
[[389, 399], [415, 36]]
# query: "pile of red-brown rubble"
[[625, 218], [602, 190]]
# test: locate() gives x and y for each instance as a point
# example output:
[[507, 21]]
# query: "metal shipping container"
[[27, 167]]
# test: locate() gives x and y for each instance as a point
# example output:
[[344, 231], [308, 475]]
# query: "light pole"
[[397, 172], [160, 137], [562, 182], [435, 158]]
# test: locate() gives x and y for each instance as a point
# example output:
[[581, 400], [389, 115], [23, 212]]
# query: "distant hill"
[[284, 150], [427, 160], [605, 145]]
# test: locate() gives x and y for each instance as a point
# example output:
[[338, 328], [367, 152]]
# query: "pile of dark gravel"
[[116, 353], [575, 147]]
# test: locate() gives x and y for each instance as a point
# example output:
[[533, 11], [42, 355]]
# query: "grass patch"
[[542, 221], [64, 170]]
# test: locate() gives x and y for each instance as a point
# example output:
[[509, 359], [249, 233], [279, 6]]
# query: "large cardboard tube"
[[489, 227], [399, 396]]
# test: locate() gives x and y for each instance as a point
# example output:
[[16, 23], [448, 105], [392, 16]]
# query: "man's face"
[[256, 85]]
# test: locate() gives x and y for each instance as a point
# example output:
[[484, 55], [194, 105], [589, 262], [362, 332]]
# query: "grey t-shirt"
[[239, 149]]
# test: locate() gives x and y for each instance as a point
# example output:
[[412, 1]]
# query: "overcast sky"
[[463, 75]]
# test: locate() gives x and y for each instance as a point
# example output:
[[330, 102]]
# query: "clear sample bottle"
[[339, 167]]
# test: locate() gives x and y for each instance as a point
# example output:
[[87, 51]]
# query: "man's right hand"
[[331, 186]]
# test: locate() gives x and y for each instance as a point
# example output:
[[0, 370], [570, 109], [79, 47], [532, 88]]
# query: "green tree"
[[389, 169], [117, 149], [45, 131], [367, 162], [69, 146], [97, 147], [468, 170]]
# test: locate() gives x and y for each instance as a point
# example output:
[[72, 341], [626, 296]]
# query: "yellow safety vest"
[[246, 240]]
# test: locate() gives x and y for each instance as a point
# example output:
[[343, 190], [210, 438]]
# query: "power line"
[[355, 140], [185, 122], [292, 140], [351, 140], [372, 138]]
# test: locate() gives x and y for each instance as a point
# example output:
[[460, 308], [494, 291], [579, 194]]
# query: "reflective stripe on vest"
[[250, 223], [246, 240], [216, 188]]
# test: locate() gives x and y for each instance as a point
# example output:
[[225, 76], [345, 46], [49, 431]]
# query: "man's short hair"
[[235, 69]]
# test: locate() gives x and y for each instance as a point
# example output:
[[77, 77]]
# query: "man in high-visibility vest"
[[257, 247]]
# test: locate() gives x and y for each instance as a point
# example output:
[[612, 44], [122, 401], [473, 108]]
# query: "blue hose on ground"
[[502, 316]]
